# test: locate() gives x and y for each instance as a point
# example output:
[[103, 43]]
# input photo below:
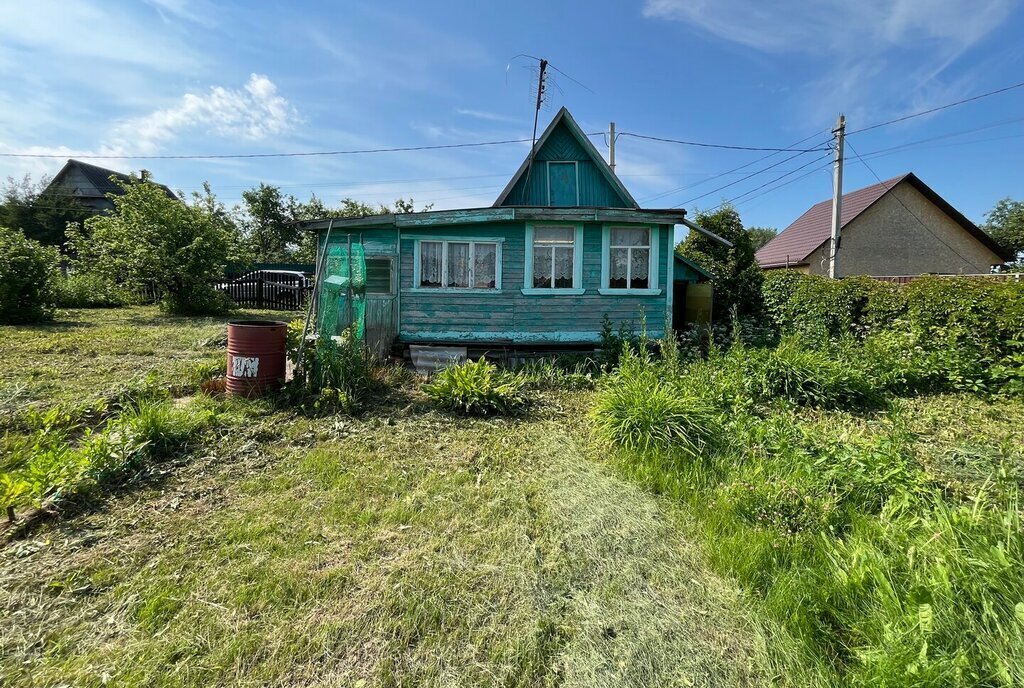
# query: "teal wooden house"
[[564, 245]]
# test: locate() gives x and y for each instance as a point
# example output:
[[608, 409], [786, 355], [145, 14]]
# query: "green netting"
[[342, 297]]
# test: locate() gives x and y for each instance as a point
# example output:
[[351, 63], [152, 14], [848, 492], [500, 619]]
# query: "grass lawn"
[[87, 353], [402, 547]]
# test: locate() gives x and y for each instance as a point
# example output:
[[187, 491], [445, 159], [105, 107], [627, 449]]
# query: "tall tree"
[[759, 236], [41, 216], [267, 222], [737, 277], [1005, 224], [151, 239]]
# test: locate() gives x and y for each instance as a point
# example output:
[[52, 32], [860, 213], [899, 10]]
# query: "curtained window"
[[629, 258], [458, 264], [554, 257]]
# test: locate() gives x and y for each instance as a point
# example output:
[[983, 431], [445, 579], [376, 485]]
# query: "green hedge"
[[984, 312], [27, 272]]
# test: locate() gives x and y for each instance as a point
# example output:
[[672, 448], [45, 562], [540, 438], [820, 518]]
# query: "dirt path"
[[406, 551]]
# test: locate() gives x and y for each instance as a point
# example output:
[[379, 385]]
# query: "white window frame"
[[444, 241], [654, 256], [577, 262], [576, 168]]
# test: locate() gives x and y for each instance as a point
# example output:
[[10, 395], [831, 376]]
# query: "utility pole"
[[611, 146], [837, 194]]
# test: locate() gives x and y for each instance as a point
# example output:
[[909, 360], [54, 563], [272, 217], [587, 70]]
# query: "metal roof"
[[100, 178], [797, 242]]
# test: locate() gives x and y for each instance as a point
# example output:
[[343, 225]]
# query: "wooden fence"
[[270, 290]]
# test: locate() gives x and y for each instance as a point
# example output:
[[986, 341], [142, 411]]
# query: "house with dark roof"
[[89, 184], [897, 227], [564, 245]]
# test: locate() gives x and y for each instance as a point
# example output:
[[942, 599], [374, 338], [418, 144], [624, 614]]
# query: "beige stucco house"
[[897, 227]]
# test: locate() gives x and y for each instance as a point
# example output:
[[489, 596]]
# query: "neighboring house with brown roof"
[[897, 227], [89, 184]]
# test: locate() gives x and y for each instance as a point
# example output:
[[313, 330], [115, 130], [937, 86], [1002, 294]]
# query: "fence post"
[[259, 291]]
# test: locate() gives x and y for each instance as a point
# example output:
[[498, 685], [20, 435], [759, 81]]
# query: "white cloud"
[[50, 29], [829, 26], [195, 11], [253, 112], [487, 116], [869, 53]]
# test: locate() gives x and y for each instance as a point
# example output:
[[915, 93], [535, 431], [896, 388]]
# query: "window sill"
[[450, 290], [552, 292], [629, 292]]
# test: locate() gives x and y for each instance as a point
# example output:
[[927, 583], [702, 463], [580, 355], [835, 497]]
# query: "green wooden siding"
[[510, 316], [593, 189]]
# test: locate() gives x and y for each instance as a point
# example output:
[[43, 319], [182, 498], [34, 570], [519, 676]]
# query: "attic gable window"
[[563, 184], [458, 265]]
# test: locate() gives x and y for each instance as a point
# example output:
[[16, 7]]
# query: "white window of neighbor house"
[[629, 258], [458, 265], [554, 257]]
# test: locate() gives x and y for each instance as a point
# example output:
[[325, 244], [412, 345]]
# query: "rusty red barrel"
[[256, 356]]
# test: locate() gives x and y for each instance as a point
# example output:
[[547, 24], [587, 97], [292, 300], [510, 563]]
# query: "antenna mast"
[[536, 115]]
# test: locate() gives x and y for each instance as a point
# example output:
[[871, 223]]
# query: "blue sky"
[[203, 76]]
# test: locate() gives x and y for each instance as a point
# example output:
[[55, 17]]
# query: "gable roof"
[[566, 120], [99, 177], [793, 245]]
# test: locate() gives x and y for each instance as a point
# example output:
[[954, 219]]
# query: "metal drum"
[[256, 356]]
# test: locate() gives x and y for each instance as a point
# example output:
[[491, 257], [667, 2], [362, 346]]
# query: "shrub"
[[27, 273], [476, 388], [86, 290], [335, 372], [803, 376], [152, 241], [638, 409], [818, 308]]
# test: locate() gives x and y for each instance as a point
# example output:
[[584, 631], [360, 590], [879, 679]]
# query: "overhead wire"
[[929, 111], [727, 172], [715, 145]]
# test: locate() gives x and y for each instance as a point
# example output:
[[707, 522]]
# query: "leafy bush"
[[804, 376], [86, 290], [639, 409], [476, 388], [335, 372], [152, 241], [27, 273]]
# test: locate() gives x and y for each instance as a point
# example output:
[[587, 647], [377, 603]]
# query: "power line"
[[716, 145], [912, 213], [727, 172], [272, 155], [769, 183], [742, 179], [936, 109]]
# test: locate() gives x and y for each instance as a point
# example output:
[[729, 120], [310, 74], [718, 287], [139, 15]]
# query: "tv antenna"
[[542, 92]]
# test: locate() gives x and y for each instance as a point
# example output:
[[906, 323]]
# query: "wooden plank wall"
[[508, 315]]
